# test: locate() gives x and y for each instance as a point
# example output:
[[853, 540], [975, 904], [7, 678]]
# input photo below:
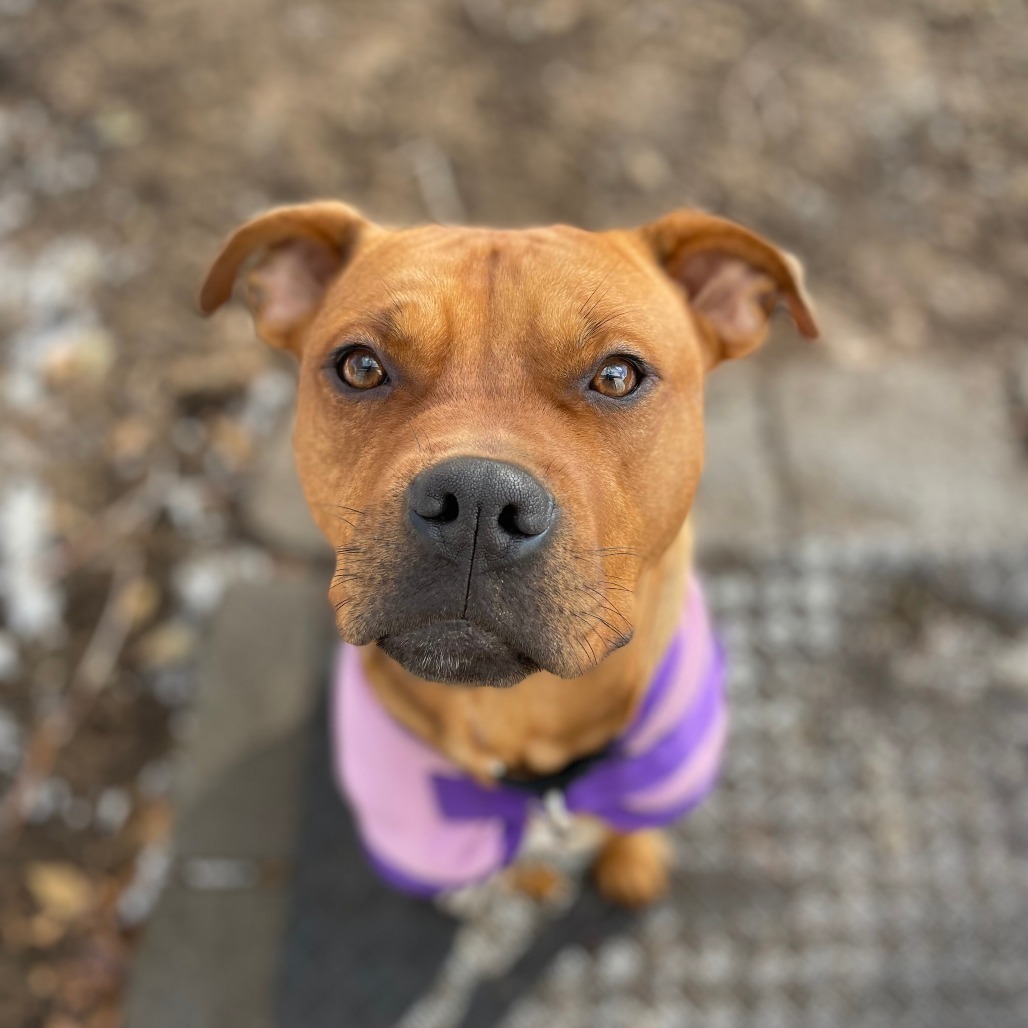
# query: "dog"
[[501, 434]]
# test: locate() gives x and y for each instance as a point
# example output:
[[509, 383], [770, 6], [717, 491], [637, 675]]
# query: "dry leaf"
[[139, 600], [61, 890], [61, 1021], [129, 440], [232, 443], [152, 822], [45, 931], [166, 645]]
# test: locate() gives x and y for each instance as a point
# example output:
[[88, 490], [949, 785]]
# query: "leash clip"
[[556, 808]]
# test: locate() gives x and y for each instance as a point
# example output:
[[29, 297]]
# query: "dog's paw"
[[633, 870]]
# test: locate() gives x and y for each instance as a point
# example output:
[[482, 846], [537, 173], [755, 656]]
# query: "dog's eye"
[[359, 368], [616, 378]]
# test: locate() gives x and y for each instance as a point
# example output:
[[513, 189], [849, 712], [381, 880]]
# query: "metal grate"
[[864, 861]]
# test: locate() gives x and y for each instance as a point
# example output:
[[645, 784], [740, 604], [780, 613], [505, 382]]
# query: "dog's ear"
[[296, 252], [733, 279]]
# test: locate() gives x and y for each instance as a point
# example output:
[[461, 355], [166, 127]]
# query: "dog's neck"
[[543, 723]]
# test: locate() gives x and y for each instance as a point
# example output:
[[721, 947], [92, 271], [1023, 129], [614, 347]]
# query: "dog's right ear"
[[296, 252]]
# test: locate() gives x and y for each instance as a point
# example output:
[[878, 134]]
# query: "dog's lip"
[[450, 647], [446, 626]]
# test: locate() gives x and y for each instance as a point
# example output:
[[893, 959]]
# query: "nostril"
[[526, 520], [510, 521], [449, 511]]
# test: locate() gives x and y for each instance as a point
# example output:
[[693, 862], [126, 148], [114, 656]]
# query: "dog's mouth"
[[458, 652]]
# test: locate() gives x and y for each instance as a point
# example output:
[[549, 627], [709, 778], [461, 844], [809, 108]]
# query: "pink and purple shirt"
[[428, 828]]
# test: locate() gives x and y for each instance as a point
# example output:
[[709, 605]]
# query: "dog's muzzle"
[[471, 606]]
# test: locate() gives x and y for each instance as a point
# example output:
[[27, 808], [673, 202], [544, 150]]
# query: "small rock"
[[113, 809], [197, 376], [202, 581], [267, 399], [156, 778], [218, 874], [16, 209], [10, 661], [189, 436], [620, 963], [10, 743], [152, 868], [33, 601], [232, 443], [120, 127], [77, 814], [1010, 665], [46, 799], [80, 357], [173, 687]]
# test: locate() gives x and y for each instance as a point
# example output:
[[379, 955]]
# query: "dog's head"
[[499, 431]]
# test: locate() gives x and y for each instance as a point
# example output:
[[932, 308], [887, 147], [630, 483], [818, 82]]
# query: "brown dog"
[[501, 434]]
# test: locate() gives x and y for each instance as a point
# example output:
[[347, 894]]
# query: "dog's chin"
[[458, 653]]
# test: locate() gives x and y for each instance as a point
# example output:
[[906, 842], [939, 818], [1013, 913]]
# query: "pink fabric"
[[699, 652], [692, 776], [428, 828], [387, 773]]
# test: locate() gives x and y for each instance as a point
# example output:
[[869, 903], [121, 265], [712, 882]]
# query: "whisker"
[[346, 576], [603, 621]]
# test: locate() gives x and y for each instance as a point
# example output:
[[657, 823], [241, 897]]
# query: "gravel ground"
[[887, 147]]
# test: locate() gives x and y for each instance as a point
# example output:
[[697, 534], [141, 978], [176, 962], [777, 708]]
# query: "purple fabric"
[[427, 827]]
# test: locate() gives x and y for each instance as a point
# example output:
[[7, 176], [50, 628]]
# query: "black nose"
[[487, 509]]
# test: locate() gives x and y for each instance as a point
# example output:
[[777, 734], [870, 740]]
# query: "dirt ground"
[[885, 143]]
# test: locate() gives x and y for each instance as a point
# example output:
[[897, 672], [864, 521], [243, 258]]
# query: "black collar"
[[560, 780]]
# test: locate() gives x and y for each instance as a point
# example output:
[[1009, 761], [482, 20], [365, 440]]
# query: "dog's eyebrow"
[[384, 321], [596, 296], [597, 321], [596, 315], [387, 323]]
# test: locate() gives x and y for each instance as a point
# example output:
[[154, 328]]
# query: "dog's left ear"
[[732, 278]]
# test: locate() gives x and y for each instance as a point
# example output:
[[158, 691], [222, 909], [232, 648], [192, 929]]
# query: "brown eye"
[[616, 378], [359, 368]]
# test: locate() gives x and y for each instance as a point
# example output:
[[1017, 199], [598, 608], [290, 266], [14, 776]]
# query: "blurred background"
[[171, 846]]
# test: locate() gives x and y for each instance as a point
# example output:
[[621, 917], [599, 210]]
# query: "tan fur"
[[488, 326], [633, 870]]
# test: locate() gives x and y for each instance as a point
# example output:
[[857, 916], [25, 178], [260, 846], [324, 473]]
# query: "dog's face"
[[499, 431]]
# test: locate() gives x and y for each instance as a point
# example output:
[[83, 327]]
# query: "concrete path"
[[211, 949]]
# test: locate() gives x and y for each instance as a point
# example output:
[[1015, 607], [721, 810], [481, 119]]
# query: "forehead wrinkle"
[[468, 292], [413, 311]]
